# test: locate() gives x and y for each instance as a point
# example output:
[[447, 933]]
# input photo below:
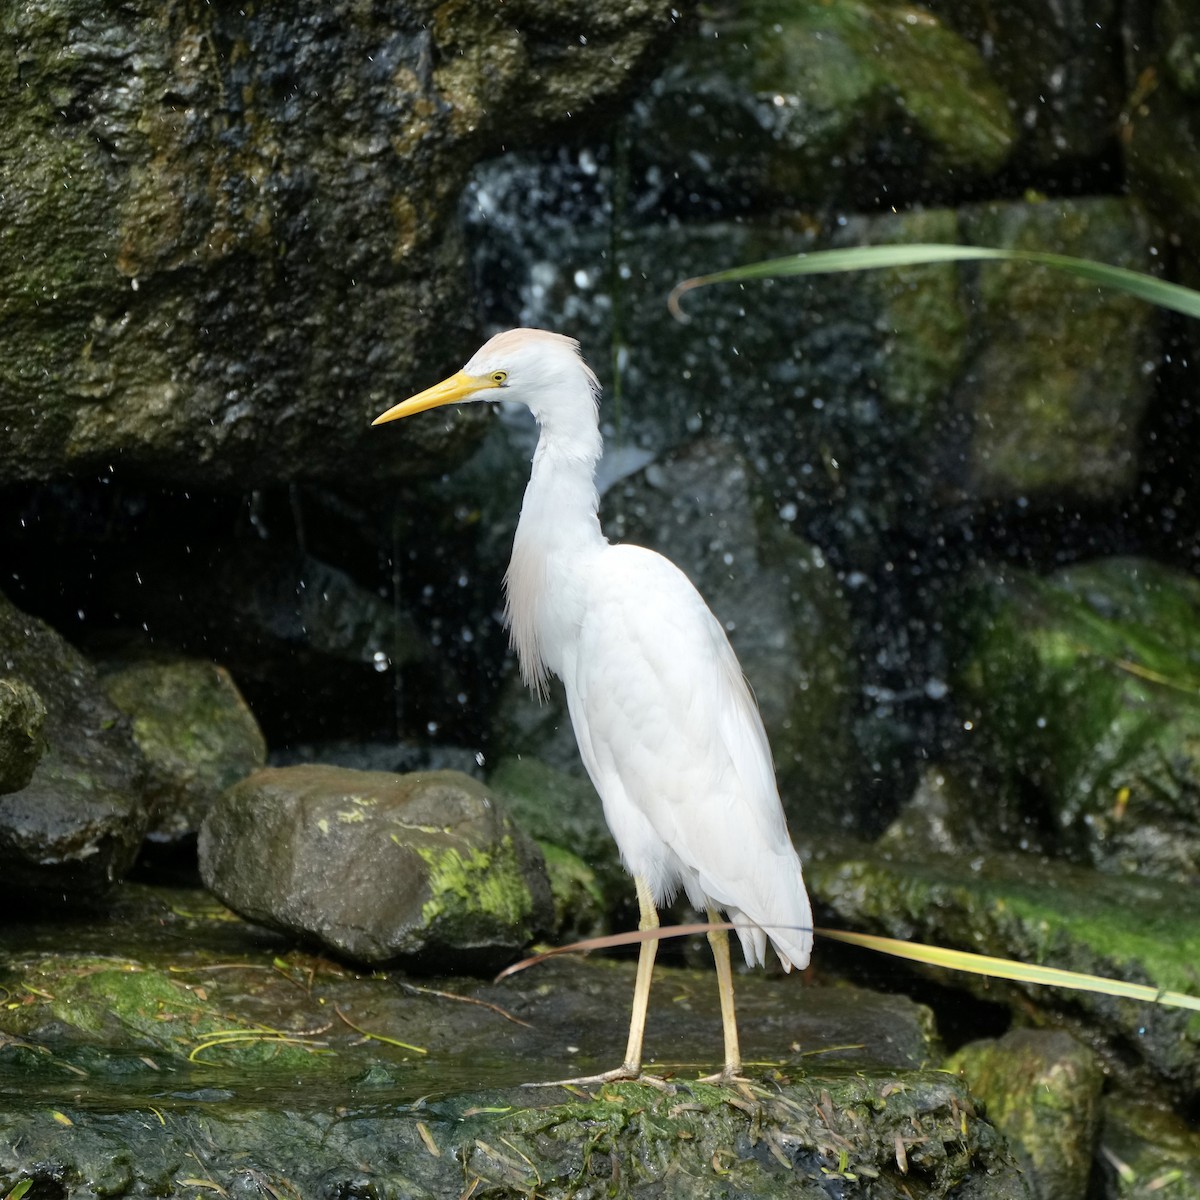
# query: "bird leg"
[[648, 919], [631, 1068], [718, 939]]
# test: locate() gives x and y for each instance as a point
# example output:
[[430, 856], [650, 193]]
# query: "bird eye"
[[499, 378]]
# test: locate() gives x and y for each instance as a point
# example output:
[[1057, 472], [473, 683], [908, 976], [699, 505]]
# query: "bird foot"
[[729, 1077], [622, 1074]]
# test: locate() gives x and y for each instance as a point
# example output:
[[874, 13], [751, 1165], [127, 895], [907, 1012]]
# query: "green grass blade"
[[933, 956], [865, 258], [1006, 968]]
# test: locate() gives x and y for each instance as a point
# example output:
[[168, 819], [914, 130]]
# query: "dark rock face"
[[78, 822], [377, 866], [229, 233]]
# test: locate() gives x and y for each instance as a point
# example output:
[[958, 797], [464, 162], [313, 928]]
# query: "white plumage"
[[666, 725]]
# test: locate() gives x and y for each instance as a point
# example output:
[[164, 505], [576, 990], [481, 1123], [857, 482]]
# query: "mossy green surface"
[[1150, 1153], [849, 1134], [924, 311], [1084, 688], [579, 908], [846, 1136], [771, 93], [563, 811], [1042, 1089], [197, 735], [477, 885], [104, 1015], [848, 52], [1058, 381], [1036, 911], [120, 1075]]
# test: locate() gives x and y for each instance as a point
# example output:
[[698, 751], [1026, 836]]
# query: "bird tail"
[[789, 928], [793, 944]]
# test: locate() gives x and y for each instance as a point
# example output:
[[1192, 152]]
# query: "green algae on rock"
[[775, 92], [579, 908], [1147, 1152], [843, 1135], [563, 810], [1057, 387], [128, 1078], [102, 1017]]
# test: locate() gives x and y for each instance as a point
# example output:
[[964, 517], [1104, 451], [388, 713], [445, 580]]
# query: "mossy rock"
[[801, 1137], [376, 866], [772, 93], [173, 1024], [1042, 1090], [22, 718], [77, 823], [1057, 387], [196, 733], [1081, 687], [1048, 913]]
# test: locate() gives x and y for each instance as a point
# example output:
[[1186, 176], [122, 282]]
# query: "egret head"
[[541, 370]]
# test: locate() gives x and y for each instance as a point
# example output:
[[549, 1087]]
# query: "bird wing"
[[673, 740]]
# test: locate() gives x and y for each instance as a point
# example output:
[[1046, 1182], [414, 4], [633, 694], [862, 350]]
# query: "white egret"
[[666, 724]]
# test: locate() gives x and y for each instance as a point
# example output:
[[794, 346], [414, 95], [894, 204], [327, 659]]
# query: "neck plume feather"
[[524, 593]]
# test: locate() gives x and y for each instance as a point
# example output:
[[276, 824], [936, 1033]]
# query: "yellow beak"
[[459, 386]]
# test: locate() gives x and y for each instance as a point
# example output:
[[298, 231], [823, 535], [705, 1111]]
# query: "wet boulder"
[[944, 816], [377, 867], [77, 824], [230, 236], [1042, 1090], [196, 733], [1080, 687], [22, 718]]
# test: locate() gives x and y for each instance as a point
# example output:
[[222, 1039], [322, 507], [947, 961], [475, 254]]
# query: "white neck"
[[558, 528]]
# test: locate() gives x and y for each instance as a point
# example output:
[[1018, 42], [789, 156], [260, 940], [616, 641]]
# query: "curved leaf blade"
[[1172, 296]]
